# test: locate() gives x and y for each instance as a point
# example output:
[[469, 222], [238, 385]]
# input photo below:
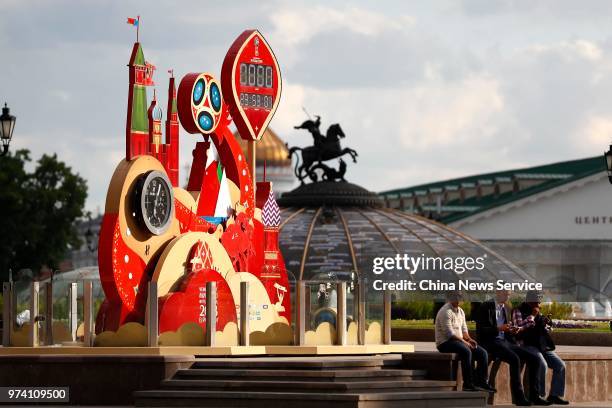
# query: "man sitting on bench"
[[452, 337], [496, 334]]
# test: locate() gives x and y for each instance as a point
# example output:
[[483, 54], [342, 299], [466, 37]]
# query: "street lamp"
[[91, 238], [7, 125], [608, 160]]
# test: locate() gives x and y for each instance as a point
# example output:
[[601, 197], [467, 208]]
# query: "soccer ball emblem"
[[200, 103]]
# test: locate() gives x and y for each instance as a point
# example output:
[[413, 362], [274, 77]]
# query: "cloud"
[[326, 40], [596, 131], [567, 11], [568, 50], [439, 113], [291, 30], [423, 91], [551, 90]]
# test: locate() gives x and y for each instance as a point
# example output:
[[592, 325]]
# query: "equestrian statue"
[[325, 148]]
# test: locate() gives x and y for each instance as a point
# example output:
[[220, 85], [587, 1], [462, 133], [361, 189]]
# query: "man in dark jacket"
[[496, 334], [534, 335]]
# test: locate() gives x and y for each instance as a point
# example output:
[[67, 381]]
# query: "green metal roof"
[[543, 178], [140, 120], [137, 57]]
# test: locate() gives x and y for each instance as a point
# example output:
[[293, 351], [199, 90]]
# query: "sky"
[[424, 90]]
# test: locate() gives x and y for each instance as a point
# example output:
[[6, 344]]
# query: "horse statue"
[[325, 148]]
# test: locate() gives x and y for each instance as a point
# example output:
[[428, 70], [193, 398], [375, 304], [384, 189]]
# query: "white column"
[[72, 309], [341, 315], [244, 313], [387, 317], [88, 313], [211, 313], [34, 294], [152, 322], [7, 313]]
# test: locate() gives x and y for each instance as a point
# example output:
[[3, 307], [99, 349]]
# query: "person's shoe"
[[537, 400], [557, 400], [486, 387], [471, 387], [523, 402]]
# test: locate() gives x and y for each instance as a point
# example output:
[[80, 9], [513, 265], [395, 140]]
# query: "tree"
[[39, 210]]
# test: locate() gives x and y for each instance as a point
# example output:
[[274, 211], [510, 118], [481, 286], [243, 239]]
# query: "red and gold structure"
[[250, 70], [221, 228]]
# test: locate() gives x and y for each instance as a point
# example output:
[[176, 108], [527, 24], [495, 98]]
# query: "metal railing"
[[302, 315]]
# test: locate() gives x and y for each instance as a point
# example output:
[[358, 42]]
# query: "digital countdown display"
[[251, 84], [257, 75]]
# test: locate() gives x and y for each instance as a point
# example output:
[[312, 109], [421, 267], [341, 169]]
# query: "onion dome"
[[270, 214], [270, 149], [157, 113]]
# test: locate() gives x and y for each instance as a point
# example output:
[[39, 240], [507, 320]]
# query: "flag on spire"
[[136, 23]]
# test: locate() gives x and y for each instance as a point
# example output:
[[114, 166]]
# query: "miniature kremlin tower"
[[144, 126]]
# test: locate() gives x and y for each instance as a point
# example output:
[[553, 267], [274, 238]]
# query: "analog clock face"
[[155, 201]]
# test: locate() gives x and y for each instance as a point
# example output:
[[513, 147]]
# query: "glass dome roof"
[[341, 242]]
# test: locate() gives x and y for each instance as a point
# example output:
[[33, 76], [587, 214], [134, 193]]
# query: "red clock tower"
[[172, 135], [137, 126], [144, 126]]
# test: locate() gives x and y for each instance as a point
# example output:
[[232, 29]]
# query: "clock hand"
[[156, 199]]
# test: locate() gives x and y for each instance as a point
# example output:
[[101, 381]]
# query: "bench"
[[446, 366]]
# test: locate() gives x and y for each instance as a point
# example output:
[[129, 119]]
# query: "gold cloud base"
[[211, 351]]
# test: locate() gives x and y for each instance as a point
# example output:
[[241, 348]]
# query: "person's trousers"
[[551, 360], [468, 357], [512, 354]]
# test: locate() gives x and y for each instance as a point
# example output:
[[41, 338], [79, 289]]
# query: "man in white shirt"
[[452, 336]]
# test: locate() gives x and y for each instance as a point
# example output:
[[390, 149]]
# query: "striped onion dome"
[[270, 213], [337, 238]]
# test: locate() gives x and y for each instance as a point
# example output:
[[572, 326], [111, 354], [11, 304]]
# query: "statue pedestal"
[[337, 193]]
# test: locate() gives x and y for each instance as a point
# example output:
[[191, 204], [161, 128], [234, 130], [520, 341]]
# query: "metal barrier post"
[[341, 315], [307, 320], [244, 313], [211, 313], [361, 311], [300, 315], [7, 313], [387, 317], [49, 313], [34, 310], [72, 309], [152, 317], [88, 313]]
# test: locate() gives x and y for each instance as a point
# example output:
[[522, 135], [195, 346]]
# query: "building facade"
[[554, 221]]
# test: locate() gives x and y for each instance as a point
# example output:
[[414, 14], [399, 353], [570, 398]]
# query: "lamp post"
[[7, 125], [608, 160], [91, 237]]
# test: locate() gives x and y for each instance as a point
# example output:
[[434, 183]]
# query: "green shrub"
[[413, 310], [557, 310]]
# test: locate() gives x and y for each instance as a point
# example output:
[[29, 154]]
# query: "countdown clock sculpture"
[[219, 228], [251, 82]]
